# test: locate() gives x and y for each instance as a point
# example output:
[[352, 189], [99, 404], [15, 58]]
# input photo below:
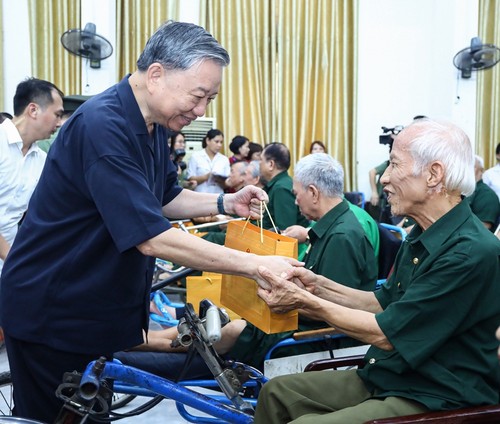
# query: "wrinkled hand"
[[282, 295], [303, 278], [246, 202], [278, 265], [297, 232]]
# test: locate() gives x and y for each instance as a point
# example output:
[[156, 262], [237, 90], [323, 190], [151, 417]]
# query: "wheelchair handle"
[[213, 324]]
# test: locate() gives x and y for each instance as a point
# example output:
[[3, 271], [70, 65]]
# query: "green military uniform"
[[367, 222], [369, 226], [484, 203], [341, 251], [440, 317], [281, 204], [440, 314]]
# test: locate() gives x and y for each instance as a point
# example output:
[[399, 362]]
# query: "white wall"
[[16, 48], [103, 15], [405, 68], [406, 49]]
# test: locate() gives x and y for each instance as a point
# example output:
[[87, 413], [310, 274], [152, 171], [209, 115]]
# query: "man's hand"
[[283, 295], [374, 199], [297, 232], [278, 265], [246, 202], [303, 278]]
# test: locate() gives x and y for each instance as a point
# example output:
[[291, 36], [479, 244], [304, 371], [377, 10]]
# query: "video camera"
[[387, 138], [178, 157]]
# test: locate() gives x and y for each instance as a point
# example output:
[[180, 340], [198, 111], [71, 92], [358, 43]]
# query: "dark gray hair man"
[[96, 223]]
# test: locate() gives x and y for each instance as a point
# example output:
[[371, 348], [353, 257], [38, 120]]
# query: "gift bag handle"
[[262, 204]]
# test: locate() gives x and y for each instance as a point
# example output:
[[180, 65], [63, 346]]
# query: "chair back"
[[389, 247]]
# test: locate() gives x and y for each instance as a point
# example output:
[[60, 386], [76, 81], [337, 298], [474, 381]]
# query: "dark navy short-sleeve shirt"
[[74, 279]]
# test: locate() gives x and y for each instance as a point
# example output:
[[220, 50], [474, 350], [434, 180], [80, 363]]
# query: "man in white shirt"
[[38, 108], [491, 177]]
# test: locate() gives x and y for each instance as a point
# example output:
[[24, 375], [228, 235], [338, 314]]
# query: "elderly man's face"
[[304, 200], [405, 191], [180, 96], [237, 176]]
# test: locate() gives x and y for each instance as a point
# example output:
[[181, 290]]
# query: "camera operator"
[[378, 207], [177, 154]]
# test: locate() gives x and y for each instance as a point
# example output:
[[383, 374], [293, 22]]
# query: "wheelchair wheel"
[[6, 399], [120, 400]]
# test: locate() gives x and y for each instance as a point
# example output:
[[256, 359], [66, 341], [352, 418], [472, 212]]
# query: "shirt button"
[[371, 361], [415, 261]]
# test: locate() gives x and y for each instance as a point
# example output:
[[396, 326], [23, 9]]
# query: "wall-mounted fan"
[[476, 57], [86, 43]]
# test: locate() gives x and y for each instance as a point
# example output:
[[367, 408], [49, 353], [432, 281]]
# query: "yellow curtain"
[[244, 106], [292, 74], [488, 86], [136, 21], [1, 61], [317, 78], [50, 61]]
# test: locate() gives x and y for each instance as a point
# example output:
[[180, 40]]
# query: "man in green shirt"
[[484, 201], [431, 326], [274, 164], [339, 249]]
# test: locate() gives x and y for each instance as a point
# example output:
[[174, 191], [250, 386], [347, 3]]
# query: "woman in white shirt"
[[208, 167]]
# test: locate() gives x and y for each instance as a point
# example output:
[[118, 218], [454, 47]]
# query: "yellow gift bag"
[[239, 293], [206, 286]]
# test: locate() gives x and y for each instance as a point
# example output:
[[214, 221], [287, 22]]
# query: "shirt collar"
[[276, 178], [327, 220], [131, 107], [11, 132], [14, 137], [433, 238]]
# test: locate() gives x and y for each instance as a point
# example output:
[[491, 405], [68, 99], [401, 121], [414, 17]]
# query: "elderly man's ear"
[[314, 193], [436, 174]]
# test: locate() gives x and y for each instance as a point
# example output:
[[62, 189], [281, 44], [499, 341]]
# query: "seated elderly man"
[[339, 250], [274, 165], [431, 326]]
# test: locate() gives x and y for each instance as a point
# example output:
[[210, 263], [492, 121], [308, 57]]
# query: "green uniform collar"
[[327, 220], [276, 178], [442, 229]]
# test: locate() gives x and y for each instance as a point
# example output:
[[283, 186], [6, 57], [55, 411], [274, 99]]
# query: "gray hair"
[[255, 168], [180, 45], [323, 172], [447, 143], [243, 164]]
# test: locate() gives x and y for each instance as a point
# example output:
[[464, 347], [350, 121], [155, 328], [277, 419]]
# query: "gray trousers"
[[326, 397]]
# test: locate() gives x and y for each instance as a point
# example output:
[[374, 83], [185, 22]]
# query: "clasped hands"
[[288, 290]]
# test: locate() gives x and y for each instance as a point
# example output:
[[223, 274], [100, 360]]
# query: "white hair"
[[321, 171], [447, 143]]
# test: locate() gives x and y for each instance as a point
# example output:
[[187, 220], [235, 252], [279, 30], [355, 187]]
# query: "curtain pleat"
[[244, 104], [488, 86], [50, 61], [292, 74], [136, 21]]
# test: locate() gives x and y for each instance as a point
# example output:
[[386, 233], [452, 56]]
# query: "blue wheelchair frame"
[[90, 395], [135, 381]]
